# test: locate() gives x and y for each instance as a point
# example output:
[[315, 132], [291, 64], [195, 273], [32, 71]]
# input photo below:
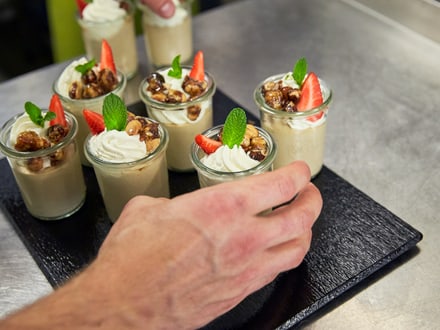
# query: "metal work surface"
[[381, 136]]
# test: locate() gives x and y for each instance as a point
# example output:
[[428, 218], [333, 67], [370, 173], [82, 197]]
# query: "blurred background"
[[36, 33]]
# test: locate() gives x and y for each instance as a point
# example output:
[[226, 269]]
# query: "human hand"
[[164, 8], [180, 263]]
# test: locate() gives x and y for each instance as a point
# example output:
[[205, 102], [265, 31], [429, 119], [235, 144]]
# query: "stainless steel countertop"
[[382, 132]]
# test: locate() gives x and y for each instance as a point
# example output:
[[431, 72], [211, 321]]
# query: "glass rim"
[[164, 140], [11, 152], [195, 149], [211, 88], [120, 87], [260, 102]]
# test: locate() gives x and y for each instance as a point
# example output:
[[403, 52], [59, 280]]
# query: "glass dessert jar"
[[114, 21], [166, 37], [50, 180], [76, 106], [208, 175], [176, 118], [299, 135], [120, 180]]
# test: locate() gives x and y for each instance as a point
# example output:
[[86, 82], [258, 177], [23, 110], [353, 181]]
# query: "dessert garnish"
[[176, 68], [288, 98], [81, 4], [117, 117], [192, 86], [36, 115], [198, 68], [96, 80], [236, 132], [30, 140]]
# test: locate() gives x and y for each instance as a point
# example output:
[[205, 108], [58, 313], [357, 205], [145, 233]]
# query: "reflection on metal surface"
[[421, 16]]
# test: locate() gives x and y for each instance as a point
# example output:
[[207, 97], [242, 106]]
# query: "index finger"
[[257, 193]]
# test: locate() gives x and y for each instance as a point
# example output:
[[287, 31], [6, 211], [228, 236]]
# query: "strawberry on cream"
[[182, 114], [103, 10], [293, 109]]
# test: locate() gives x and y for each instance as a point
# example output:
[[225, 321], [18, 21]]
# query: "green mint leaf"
[[114, 112], [49, 116], [300, 71], [176, 69], [36, 115], [234, 128], [83, 68]]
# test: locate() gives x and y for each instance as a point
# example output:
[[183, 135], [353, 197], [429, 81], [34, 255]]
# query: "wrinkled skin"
[[180, 263], [164, 8]]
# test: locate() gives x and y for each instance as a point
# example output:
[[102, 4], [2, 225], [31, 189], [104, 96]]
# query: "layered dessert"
[[231, 151], [84, 83], [180, 98], [293, 109], [44, 158], [127, 153], [177, 31], [114, 21]]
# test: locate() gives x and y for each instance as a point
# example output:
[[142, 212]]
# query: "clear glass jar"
[[76, 107], [167, 37], [209, 176], [173, 117], [298, 135], [50, 180], [120, 181], [120, 34]]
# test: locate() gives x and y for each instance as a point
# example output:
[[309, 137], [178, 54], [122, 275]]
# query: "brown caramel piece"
[[30, 141], [193, 112], [35, 164]]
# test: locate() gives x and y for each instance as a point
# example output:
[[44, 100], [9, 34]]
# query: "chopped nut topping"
[[161, 92], [279, 97], [30, 141], [253, 144], [93, 84], [148, 131]]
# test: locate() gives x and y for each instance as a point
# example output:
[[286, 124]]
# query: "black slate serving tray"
[[353, 238]]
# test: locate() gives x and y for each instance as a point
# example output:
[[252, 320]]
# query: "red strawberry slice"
[[94, 120], [208, 145], [311, 96], [81, 4], [56, 107], [107, 61], [198, 69]]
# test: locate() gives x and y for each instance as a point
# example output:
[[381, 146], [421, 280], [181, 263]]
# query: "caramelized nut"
[[133, 127], [35, 164], [193, 112], [152, 144]]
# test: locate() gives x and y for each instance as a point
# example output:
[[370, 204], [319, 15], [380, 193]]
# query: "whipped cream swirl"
[[68, 76], [117, 147], [225, 159], [102, 11], [24, 123]]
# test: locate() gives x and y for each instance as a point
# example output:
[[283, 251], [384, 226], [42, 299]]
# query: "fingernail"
[[167, 10]]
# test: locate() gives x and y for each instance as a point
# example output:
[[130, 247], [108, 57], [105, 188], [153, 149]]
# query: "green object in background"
[[65, 33]]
